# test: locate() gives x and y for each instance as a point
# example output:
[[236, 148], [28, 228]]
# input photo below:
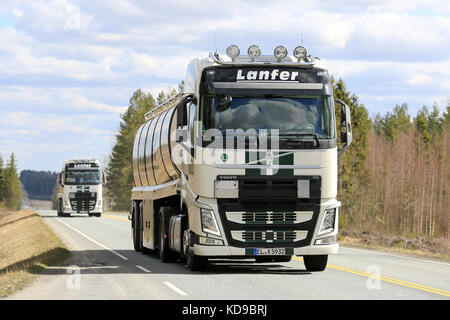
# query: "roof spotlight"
[[233, 51], [280, 52], [300, 52], [254, 52]]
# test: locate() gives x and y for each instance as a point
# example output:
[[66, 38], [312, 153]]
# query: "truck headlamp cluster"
[[328, 222], [280, 52], [209, 224]]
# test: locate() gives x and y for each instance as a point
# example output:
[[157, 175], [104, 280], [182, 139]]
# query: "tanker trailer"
[[242, 164]]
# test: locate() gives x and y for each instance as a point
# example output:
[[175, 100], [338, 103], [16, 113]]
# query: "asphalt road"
[[104, 265]]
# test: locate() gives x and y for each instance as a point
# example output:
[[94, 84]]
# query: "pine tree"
[[13, 193], [119, 170]]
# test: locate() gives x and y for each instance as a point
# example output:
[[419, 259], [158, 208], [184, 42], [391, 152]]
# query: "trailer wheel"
[[165, 254], [315, 263], [137, 243]]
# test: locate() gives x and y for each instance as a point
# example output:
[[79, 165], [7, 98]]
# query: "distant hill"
[[39, 184]]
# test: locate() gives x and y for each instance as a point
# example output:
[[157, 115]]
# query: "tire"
[[58, 208], [165, 254], [273, 259], [137, 235], [90, 214], [98, 214], [315, 263], [61, 213], [193, 262]]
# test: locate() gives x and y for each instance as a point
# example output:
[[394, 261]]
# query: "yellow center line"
[[387, 279], [117, 218]]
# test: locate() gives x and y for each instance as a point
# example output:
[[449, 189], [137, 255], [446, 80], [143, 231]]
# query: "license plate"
[[269, 251]]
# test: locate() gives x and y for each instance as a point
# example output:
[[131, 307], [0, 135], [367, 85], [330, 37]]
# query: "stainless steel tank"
[[152, 150]]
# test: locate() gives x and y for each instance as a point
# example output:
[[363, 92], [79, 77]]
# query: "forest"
[[39, 184], [393, 179]]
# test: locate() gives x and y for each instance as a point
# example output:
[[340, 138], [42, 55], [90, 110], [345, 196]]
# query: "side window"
[[192, 114]]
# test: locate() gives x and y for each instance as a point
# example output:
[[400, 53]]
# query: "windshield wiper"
[[302, 135]]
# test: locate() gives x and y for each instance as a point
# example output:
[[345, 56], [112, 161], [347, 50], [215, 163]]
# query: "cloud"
[[68, 68]]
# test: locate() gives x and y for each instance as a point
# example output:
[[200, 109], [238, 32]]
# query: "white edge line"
[[397, 256], [89, 238], [143, 269], [171, 286]]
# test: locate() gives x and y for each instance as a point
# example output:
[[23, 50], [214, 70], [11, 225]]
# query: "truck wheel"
[[137, 243], [98, 214], [165, 254], [58, 208], [90, 214], [315, 263], [193, 262]]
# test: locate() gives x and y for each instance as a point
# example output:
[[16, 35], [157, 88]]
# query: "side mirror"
[[103, 177], [346, 126], [182, 110]]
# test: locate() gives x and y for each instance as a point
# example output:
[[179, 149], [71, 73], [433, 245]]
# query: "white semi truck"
[[80, 188], [243, 164]]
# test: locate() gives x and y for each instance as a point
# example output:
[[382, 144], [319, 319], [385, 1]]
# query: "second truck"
[[243, 164], [80, 188]]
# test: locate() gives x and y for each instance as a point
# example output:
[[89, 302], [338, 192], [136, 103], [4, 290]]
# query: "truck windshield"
[[294, 117], [82, 177]]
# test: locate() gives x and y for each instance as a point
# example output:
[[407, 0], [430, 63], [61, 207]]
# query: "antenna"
[[215, 44], [302, 38]]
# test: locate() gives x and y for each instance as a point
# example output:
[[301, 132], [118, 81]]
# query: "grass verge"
[[413, 246], [27, 247]]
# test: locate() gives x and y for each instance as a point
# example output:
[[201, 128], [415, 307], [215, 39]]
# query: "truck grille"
[[270, 217], [269, 236], [82, 201], [268, 212]]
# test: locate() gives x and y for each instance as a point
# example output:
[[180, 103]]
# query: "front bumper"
[[224, 251]]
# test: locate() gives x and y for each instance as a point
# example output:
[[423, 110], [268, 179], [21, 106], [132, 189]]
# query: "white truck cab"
[[80, 188]]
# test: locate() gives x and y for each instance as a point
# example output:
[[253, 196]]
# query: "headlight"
[[226, 189], [233, 51], [328, 221], [280, 52], [254, 52], [71, 195], [300, 53], [209, 224]]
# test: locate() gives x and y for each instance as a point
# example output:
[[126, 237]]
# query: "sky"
[[68, 68]]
